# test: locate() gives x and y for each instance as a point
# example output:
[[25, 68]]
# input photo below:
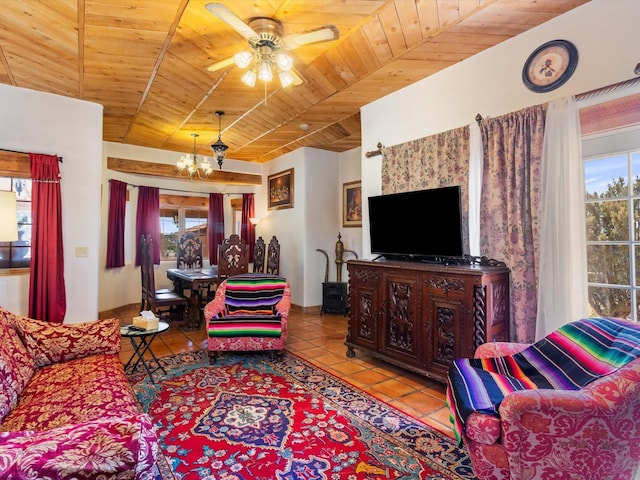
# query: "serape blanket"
[[246, 326], [250, 307], [253, 294], [567, 359]]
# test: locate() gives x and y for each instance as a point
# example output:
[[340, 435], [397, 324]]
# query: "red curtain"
[[247, 229], [148, 220], [47, 295], [115, 232], [215, 221]]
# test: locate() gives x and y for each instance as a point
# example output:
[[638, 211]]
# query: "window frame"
[[15, 165], [620, 142], [183, 203]]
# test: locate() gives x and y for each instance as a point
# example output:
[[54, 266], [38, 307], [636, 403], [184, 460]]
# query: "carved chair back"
[[258, 256], [273, 256], [233, 257], [189, 251]]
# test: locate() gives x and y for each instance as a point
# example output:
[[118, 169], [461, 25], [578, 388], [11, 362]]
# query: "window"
[[18, 254], [236, 212], [612, 207], [179, 215]]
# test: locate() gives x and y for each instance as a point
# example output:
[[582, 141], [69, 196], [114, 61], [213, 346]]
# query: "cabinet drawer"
[[452, 286]]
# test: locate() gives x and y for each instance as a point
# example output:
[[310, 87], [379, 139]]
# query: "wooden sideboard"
[[422, 316]]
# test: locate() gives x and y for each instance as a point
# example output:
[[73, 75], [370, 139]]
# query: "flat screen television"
[[424, 225]]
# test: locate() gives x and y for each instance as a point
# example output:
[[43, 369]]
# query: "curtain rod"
[[174, 189], [26, 153], [374, 153]]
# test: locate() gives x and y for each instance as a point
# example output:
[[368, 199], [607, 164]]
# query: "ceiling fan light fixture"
[[284, 61], [264, 71], [243, 59], [249, 78], [285, 79], [267, 57]]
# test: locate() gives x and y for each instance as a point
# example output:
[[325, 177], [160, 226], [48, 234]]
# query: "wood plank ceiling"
[[145, 60]]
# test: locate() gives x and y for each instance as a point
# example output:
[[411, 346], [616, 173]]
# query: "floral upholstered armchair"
[[249, 313], [583, 423]]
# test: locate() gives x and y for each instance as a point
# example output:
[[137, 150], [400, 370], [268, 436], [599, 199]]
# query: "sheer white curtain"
[[562, 290]]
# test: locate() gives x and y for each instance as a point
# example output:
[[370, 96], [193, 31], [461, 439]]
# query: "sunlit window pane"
[[606, 177], [607, 221], [18, 254], [610, 302], [608, 264]]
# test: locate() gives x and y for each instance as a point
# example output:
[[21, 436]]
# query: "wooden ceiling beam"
[[138, 167]]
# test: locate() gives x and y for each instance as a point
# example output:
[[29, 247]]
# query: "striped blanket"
[[252, 294], [567, 359], [250, 307]]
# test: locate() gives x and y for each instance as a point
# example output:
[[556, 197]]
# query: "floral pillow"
[[16, 364], [53, 343]]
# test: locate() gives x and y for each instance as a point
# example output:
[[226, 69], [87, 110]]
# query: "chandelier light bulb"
[[243, 59], [205, 166]]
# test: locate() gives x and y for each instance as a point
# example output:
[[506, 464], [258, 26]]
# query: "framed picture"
[[352, 204], [280, 190]]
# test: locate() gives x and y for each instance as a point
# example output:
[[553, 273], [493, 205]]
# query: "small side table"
[[141, 341], [335, 298]]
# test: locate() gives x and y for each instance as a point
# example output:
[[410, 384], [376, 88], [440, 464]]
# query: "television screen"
[[420, 225]]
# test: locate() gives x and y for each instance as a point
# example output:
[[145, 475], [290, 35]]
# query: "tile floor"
[[320, 340]]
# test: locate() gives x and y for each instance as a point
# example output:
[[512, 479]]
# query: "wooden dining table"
[[197, 280]]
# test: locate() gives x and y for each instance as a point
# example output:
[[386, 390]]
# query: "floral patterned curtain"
[[440, 160], [510, 206]]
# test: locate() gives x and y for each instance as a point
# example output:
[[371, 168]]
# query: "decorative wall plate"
[[550, 66]]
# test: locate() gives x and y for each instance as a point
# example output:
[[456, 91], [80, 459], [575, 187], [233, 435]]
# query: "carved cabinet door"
[[402, 329], [365, 308], [447, 310]]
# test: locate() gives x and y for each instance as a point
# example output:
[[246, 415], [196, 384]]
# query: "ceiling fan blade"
[[221, 64], [231, 19], [315, 35]]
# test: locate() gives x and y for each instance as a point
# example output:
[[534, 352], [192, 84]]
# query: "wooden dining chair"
[[258, 256], [166, 304], [189, 253], [273, 257], [233, 257]]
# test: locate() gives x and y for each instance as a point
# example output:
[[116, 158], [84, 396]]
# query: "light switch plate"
[[82, 251]]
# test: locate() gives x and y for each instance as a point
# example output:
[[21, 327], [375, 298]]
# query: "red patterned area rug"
[[252, 417]]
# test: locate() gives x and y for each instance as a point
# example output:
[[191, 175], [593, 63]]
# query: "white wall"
[[351, 236], [605, 33], [37, 122]]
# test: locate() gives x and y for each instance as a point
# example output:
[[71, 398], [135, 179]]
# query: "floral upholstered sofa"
[[66, 408]]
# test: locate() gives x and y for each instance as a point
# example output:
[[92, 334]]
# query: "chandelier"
[[189, 166], [219, 148]]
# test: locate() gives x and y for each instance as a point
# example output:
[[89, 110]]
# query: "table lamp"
[[8, 217]]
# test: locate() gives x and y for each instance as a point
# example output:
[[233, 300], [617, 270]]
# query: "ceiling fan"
[[267, 46]]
